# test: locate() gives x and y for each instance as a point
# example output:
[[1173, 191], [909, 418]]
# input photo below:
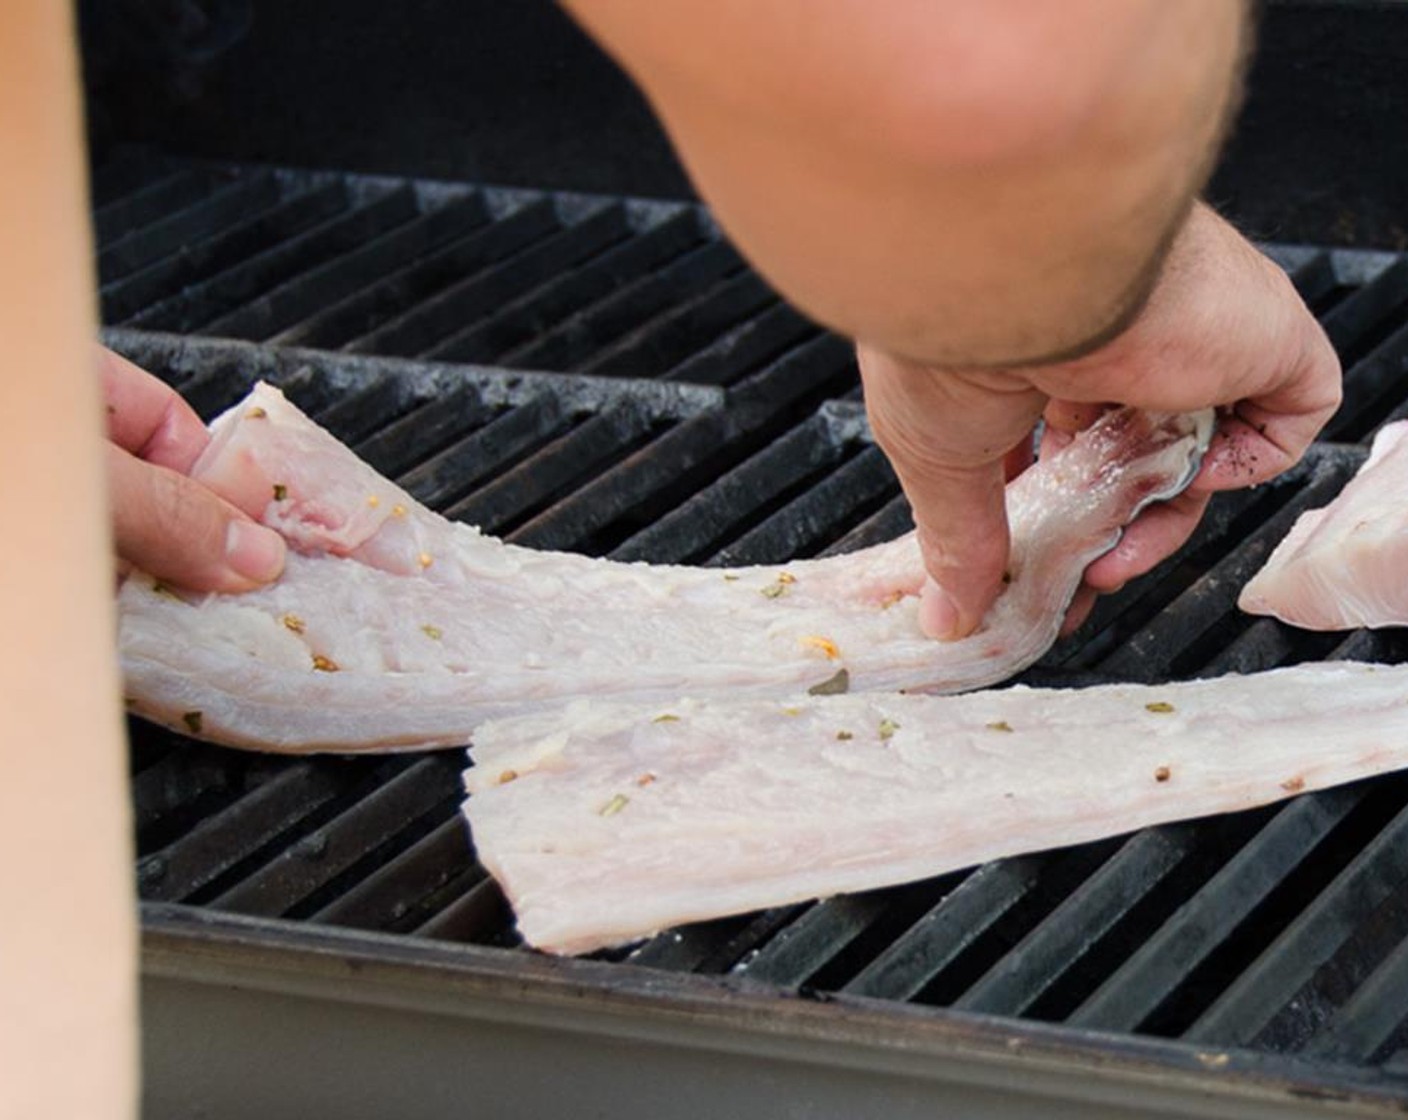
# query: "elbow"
[[1016, 84], [986, 119]]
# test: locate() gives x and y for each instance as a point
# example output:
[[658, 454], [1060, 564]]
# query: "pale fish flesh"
[[609, 822], [1345, 565], [393, 628]]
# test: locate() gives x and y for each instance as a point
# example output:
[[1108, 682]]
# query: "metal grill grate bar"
[[1314, 279], [146, 246], [1371, 1019], [1375, 934], [663, 342], [306, 293], [819, 370], [371, 309], [394, 806], [309, 387], [641, 480], [554, 470], [890, 521], [150, 202], [573, 342], [1372, 387], [947, 931], [713, 946], [405, 891], [446, 476], [213, 391], [1359, 323], [528, 273], [186, 311], [1044, 956], [1254, 998], [358, 414], [691, 527], [199, 260], [223, 840], [703, 525], [445, 311], [719, 946], [805, 945], [128, 173], [167, 785], [819, 515], [745, 348], [425, 430], [407, 315], [1264, 644], [480, 915], [517, 322], [1206, 920]]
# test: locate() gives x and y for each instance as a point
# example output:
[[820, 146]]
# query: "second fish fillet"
[[608, 822]]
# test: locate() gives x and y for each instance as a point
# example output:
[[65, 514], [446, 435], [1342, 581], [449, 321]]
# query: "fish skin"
[[760, 804], [1345, 565], [409, 630]]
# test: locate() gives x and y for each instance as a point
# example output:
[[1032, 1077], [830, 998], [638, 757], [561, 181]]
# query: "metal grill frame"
[[525, 1035]]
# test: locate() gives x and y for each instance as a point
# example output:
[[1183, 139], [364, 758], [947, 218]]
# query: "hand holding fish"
[[163, 521], [1223, 327], [997, 189]]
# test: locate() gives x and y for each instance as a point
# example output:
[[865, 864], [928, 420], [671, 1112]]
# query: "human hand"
[[1223, 327], [163, 521]]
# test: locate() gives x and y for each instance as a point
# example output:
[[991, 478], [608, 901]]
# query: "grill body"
[[602, 373]]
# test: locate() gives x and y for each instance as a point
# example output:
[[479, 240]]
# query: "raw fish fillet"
[[610, 822], [1345, 565], [393, 628]]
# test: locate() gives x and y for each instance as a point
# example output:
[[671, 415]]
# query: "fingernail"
[[938, 614], [253, 551]]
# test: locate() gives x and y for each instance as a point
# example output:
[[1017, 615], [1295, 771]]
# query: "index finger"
[[147, 417], [947, 434]]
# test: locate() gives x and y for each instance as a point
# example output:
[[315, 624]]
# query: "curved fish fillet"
[[1345, 565], [608, 822], [393, 628]]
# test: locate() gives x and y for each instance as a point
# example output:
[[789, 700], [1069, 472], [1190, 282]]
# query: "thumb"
[[178, 530], [947, 433]]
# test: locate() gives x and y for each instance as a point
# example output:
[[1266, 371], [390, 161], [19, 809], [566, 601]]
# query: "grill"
[[604, 374]]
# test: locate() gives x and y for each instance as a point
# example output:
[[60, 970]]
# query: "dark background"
[[509, 91]]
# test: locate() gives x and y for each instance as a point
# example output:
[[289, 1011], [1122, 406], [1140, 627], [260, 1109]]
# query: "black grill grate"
[[728, 431], [521, 279]]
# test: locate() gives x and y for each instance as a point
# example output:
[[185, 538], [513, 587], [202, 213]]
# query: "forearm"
[[961, 183], [68, 944]]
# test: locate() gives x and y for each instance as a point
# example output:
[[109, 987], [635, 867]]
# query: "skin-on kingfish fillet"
[[606, 823], [393, 628], [1345, 565]]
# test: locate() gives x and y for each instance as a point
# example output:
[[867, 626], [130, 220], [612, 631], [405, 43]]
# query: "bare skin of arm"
[[68, 950], [983, 194], [977, 182]]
